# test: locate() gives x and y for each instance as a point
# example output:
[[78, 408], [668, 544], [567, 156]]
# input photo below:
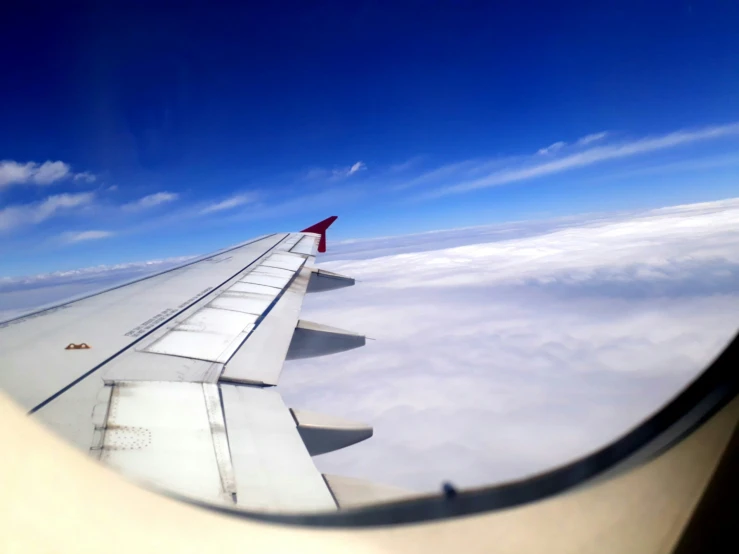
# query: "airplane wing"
[[171, 378]]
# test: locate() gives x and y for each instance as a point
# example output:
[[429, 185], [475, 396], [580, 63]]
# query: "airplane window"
[[536, 250]]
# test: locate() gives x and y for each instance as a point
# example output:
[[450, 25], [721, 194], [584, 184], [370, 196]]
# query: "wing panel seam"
[[148, 333], [221, 448], [265, 313]]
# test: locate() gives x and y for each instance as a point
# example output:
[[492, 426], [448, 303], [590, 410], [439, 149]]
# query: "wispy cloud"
[[683, 166], [589, 157], [343, 172], [151, 201], [552, 148], [582, 141], [228, 203], [36, 212], [589, 139], [12, 172], [85, 176], [359, 166], [440, 173], [80, 236], [336, 173]]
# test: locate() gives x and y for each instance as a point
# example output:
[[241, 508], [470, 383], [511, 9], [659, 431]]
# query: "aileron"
[[273, 469], [150, 437]]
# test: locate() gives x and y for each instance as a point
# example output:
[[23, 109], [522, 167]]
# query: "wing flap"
[[150, 437], [217, 443], [272, 467]]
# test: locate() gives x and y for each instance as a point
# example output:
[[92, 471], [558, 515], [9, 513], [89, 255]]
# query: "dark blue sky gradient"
[[209, 100]]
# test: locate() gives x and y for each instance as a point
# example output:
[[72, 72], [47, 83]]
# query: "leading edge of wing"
[[76, 298], [318, 228]]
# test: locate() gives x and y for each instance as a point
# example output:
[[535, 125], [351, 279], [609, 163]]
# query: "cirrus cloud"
[[229, 203], [336, 174], [151, 201], [594, 137], [561, 159], [81, 236], [552, 148], [355, 168]]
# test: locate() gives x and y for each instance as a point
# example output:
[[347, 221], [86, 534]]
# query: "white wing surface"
[[170, 378]]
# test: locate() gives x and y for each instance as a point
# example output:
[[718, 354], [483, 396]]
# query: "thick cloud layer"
[[498, 360], [501, 351]]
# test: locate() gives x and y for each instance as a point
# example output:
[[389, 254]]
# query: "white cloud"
[[12, 172], [348, 171], [449, 171], [582, 141], [552, 148], [85, 176], [590, 156], [356, 167], [48, 172], [345, 172], [80, 236], [575, 253], [336, 174], [229, 203], [151, 201], [497, 360], [34, 213], [589, 139]]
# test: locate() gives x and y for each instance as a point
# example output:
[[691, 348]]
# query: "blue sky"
[[138, 133]]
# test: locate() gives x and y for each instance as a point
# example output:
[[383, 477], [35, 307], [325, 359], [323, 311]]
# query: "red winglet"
[[320, 228]]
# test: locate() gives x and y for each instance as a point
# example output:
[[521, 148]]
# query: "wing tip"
[[320, 228]]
